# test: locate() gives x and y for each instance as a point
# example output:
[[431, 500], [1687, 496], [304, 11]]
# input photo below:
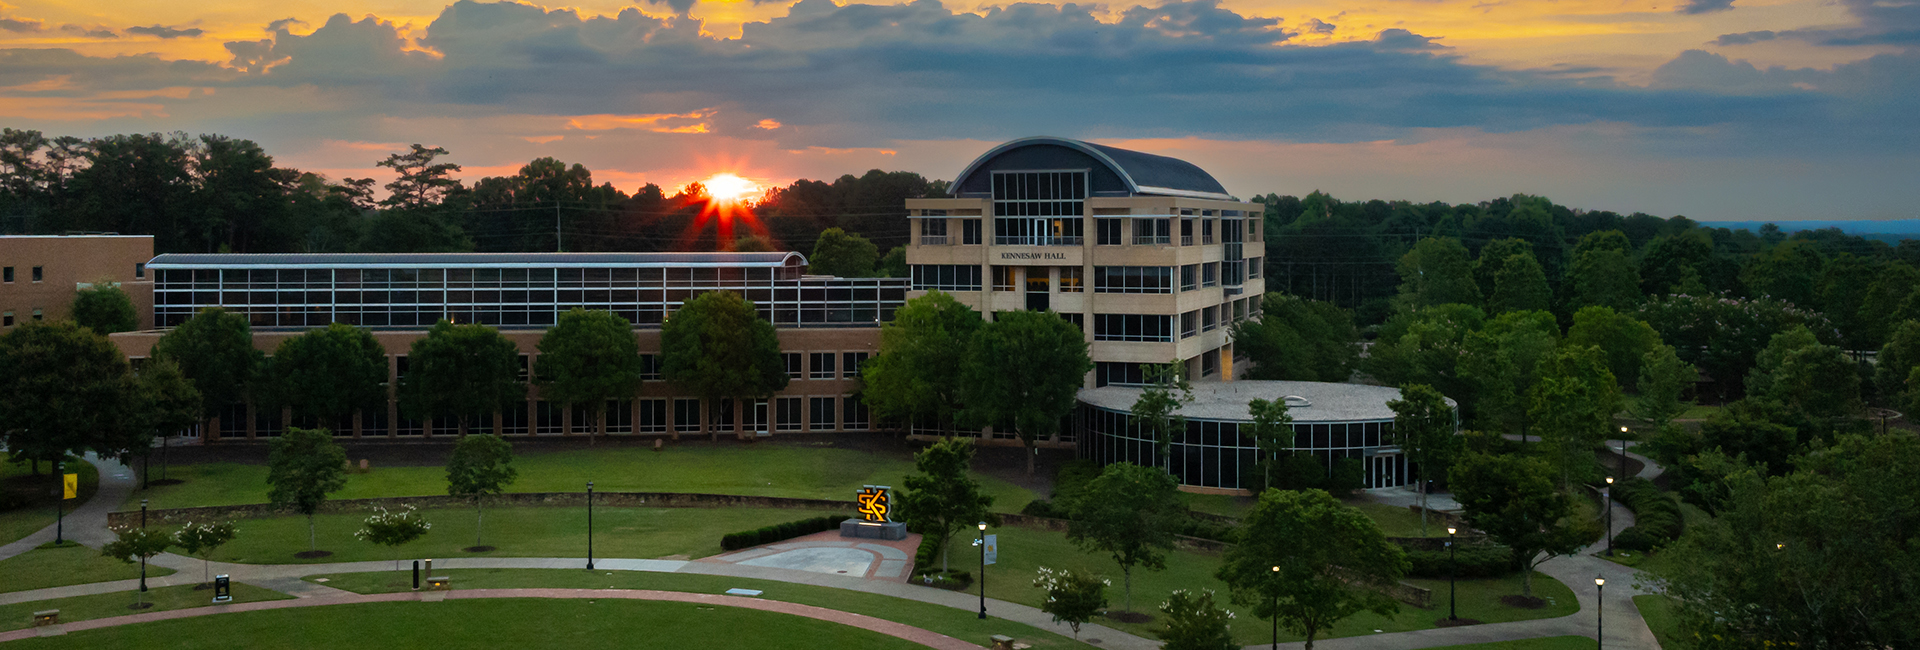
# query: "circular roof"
[[1227, 400], [1143, 173]]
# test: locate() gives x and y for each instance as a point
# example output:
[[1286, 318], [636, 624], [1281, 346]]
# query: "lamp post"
[[589, 525], [983, 569], [143, 558], [1453, 572], [1609, 516], [1600, 612], [1623, 453], [1275, 612], [59, 505]]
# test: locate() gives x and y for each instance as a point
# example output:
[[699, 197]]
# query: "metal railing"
[[1186, 240], [933, 240], [1038, 240], [1151, 240]]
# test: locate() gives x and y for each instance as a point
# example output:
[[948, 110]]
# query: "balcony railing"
[[933, 240], [1186, 240], [1207, 240], [1037, 240], [1151, 240]]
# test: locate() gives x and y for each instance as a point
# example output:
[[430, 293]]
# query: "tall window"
[[1233, 269], [933, 232], [1109, 231], [820, 412], [850, 369], [649, 367], [970, 232], [858, 418], [1189, 277], [1039, 208], [1003, 278], [787, 414], [1152, 231], [1072, 279], [792, 361], [821, 366], [653, 416], [686, 415]]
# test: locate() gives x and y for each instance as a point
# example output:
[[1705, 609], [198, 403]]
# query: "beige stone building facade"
[[1148, 254]]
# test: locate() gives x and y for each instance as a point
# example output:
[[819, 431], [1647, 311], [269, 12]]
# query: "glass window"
[[650, 366], [1132, 327], [851, 368], [1109, 231], [1072, 279], [39, 273], [792, 361], [1003, 278], [8, 273], [857, 415], [820, 365], [787, 414], [820, 413], [970, 232], [686, 415], [1188, 275], [652, 416]]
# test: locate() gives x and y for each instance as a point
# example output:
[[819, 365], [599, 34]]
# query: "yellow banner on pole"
[[72, 484]]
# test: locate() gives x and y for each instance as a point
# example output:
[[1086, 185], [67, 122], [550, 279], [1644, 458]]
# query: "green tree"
[[894, 263], [1513, 500], [1790, 272], [1156, 412], [393, 529], [1663, 379], [589, 357], [421, 182], [1843, 291], [942, 498], [104, 308], [912, 379], [1820, 558], [1820, 381], [1880, 308], [1436, 272], [461, 371], [1502, 363], [1272, 432], [1024, 368], [1493, 259], [1754, 431], [134, 545], [840, 254], [1623, 339], [1312, 562], [718, 346], [1896, 361], [303, 467], [1520, 286], [479, 466], [1572, 407], [215, 350], [1130, 513], [1073, 596], [752, 244], [201, 540], [1603, 273], [66, 391], [328, 372], [165, 403], [1423, 427], [1194, 622], [1298, 339], [1427, 346]]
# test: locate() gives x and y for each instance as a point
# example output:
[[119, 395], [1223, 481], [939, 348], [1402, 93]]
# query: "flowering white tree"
[[201, 540], [1194, 622], [392, 529], [1073, 596]]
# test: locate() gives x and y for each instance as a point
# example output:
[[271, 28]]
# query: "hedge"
[[780, 532], [1656, 514], [1477, 561]]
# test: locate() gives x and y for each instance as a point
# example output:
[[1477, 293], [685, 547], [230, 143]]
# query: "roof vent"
[[1296, 400]]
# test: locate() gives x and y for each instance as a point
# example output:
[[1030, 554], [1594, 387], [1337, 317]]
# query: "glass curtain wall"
[[1216, 454], [1039, 208]]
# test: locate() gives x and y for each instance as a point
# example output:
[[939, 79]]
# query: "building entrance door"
[[1037, 285]]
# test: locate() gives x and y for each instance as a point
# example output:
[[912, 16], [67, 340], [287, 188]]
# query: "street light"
[[143, 558], [60, 504], [589, 525], [1600, 612], [1275, 612], [1610, 515], [1623, 453], [1453, 572], [983, 569]]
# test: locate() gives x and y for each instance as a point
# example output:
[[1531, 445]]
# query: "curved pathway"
[[86, 524], [882, 626]]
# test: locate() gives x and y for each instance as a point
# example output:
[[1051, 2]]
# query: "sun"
[[728, 188]]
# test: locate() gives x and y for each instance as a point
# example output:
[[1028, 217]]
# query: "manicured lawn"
[[1658, 612], [1549, 643], [956, 623], [760, 470], [1398, 521], [1023, 551], [18, 478], [82, 608], [487, 624], [68, 564], [1219, 504], [515, 532]]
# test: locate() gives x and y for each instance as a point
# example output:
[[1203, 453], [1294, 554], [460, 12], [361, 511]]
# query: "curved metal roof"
[[1143, 173], [473, 260]]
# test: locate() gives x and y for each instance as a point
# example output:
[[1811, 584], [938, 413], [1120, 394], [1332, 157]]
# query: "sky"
[[1713, 109]]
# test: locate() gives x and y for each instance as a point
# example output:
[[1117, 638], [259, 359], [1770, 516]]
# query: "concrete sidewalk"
[[86, 524]]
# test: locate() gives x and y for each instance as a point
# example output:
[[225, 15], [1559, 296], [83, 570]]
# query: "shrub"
[[780, 532], [1635, 538], [1205, 529], [1656, 513], [1043, 508], [1477, 561], [1073, 476]]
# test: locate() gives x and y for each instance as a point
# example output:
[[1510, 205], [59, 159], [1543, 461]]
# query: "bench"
[[1002, 642], [46, 617], [439, 583]]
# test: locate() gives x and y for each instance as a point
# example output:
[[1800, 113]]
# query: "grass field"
[[515, 532], [957, 623], [1023, 551], [1549, 643], [504, 623], [759, 470], [1395, 521], [17, 478], [67, 564], [82, 608], [1658, 612]]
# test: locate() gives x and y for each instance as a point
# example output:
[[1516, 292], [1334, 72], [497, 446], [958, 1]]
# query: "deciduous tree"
[[942, 498], [166, 403], [913, 378], [1437, 271], [718, 346], [1621, 338], [303, 467], [1073, 596], [1572, 407], [1024, 369], [461, 371], [1520, 286], [215, 350], [328, 372], [1664, 378], [1194, 622], [394, 529], [133, 545], [479, 466], [1423, 427], [1512, 499], [1272, 432], [66, 390], [201, 540], [105, 309], [589, 357], [1311, 561], [1156, 411], [841, 254], [1130, 513], [1298, 339]]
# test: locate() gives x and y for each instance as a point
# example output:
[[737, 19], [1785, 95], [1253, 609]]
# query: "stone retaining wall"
[[551, 499]]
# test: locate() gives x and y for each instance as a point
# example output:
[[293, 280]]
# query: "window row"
[[1216, 454], [1132, 327], [655, 415], [945, 277], [1133, 279], [476, 278]]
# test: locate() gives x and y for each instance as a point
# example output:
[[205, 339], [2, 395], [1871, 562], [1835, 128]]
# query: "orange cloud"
[[656, 122]]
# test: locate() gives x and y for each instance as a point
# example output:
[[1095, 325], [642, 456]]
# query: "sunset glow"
[[728, 188]]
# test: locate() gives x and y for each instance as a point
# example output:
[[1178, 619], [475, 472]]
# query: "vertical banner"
[[993, 549], [70, 484]]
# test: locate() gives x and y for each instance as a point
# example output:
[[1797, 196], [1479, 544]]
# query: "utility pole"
[[558, 246]]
